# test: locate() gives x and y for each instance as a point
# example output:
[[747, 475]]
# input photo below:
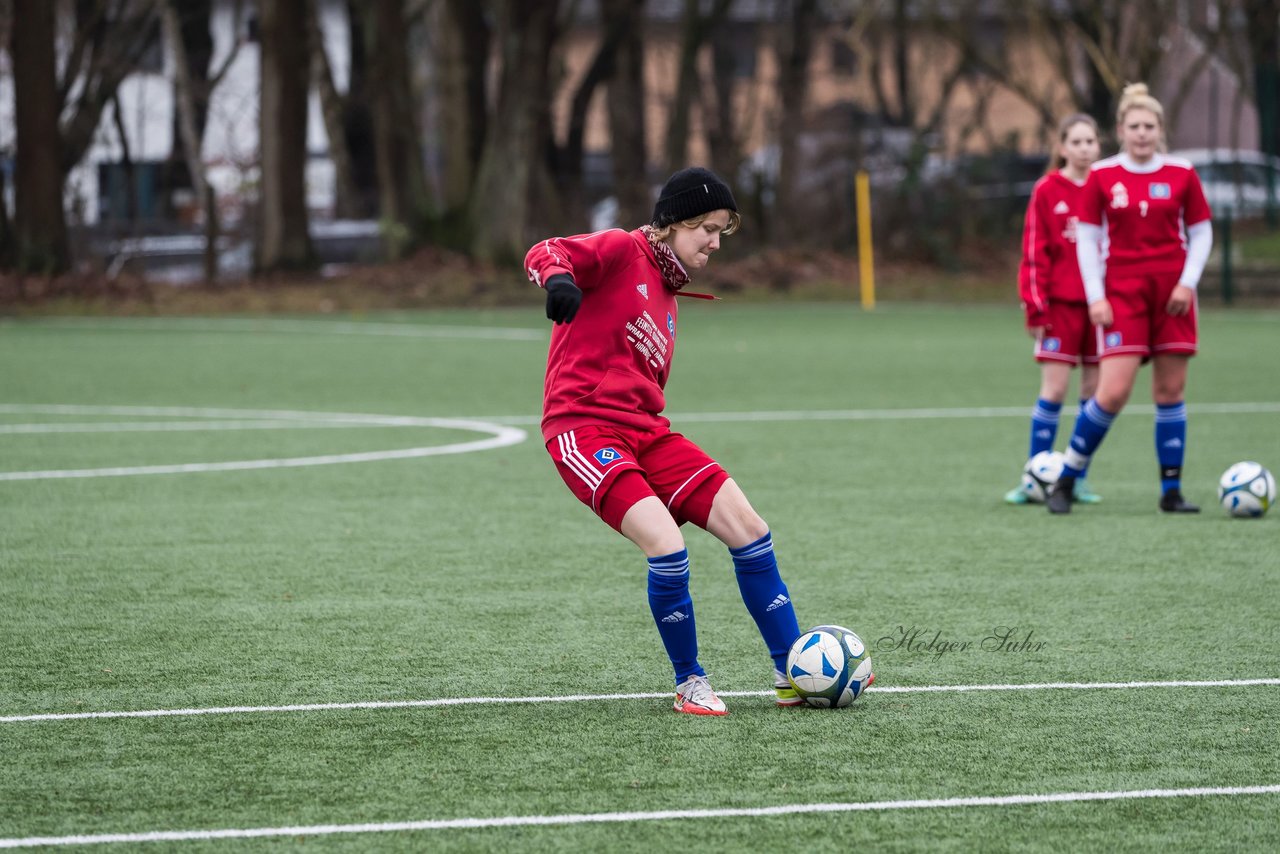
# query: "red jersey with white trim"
[[1146, 209], [1049, 268], [611, 362]]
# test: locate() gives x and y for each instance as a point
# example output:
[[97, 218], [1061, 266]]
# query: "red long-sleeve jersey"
[[611, 362], [1049, 268]]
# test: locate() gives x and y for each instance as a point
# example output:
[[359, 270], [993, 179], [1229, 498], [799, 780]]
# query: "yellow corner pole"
[[866, 260]]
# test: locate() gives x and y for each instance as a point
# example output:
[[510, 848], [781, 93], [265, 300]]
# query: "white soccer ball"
[[1040, 474], [829, 667], [1246, 490]]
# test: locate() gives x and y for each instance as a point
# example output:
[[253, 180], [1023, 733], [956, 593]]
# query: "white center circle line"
[[499, 436]]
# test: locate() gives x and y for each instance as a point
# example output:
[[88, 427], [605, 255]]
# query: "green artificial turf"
[[878, 446]]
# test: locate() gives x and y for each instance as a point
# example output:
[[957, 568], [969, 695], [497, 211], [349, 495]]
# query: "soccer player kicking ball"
[[612, 296], [1146, 202]]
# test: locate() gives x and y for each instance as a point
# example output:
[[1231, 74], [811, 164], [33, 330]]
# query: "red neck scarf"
[[673, 271]]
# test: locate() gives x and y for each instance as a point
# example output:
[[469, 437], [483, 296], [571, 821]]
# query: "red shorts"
[[1068, 335], [1141, 325], [610, 468]]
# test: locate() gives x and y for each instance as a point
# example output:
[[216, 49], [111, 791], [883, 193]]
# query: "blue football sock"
[[672, 608], [1171, 440], [1091, 427], [1084, 472], [1044, 426], [766, 597]]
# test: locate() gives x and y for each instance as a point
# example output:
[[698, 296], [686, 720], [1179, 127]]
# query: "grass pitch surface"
[[878, 446]]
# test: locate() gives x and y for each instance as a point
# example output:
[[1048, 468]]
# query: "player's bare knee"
[[1168, 391], [649, 525], [1112, 399], [733, 520]]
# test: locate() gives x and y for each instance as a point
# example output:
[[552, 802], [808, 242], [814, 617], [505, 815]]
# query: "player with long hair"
[[1152, 210], [612, 296], [1052, 292]]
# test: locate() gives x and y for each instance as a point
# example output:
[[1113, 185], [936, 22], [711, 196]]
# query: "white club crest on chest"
[[1119, 195]]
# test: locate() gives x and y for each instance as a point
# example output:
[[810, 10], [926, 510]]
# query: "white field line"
[[500, 436], [1243, 408], [321, 327], [584, 698], [630, 817], [171, 426], [349, 418], [502, 427]]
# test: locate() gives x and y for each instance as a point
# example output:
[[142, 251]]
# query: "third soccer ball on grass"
[[1246, 490], [1040, 474], [829, 666]]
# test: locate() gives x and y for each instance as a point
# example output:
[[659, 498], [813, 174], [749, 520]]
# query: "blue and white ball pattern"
[[1040, 474], [829, 666], [1246, 490]]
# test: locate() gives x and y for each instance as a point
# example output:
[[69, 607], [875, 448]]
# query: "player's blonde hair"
[[665, 231], [1136, 96]]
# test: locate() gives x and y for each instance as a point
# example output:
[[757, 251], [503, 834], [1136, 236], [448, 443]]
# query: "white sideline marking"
[[958, 412], [1244, 408], [335, 327], [623, 817], [171, 426], [502, 427], [580, 698], [500, 436]]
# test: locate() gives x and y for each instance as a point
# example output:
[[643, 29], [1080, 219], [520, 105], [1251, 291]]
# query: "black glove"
[[563, 298]]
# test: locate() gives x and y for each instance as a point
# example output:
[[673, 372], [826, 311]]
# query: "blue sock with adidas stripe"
[[672, 609], [1171, 440], [1044, 426], [1092, 425], [1084, 472], [766, 597]]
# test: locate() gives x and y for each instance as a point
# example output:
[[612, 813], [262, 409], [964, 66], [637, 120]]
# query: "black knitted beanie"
[[689, 193]]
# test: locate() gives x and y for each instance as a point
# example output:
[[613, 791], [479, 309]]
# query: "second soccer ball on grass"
[[1247, 490]]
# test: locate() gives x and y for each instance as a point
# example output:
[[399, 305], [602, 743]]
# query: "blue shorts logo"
[[1051, 345], [671, 325], [1113, 339], [607, 457]]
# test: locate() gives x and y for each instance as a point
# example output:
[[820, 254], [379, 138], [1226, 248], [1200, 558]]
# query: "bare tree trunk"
[[696, 29], [40, 230], [793, 82], [568, 160], [626, 112], [346, 196], [191, 138], [126, 160], [402, 186], [103, 54], [726, 116], [197, 43], [499, 208], [284, 241], [464, 57], [1264, 48], [357, 118], [6, 229], [901, 57]]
